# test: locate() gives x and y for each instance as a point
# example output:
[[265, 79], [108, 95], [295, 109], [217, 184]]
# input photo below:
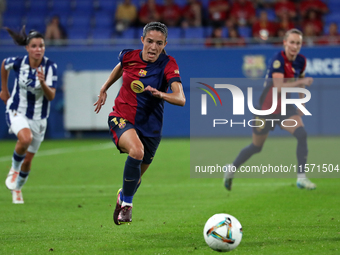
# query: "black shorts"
[[119, 125], [264, 124]]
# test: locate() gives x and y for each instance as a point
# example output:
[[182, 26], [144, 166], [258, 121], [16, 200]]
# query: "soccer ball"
[[222, 232]]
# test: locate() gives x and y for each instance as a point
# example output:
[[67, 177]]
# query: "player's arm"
[[4, 93], [177, 96], [49, 92], [116, 73], [279, 82], [301, 95]]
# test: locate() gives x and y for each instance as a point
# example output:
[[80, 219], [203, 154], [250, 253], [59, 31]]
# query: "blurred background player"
[[137, 117], [28, 106], [286, 65]]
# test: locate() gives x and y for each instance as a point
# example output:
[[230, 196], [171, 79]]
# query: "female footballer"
[[28, 106], [136, 120], [286, 70]]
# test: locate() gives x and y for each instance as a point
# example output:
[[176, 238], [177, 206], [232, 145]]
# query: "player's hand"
[[307, 81], [4, 96], [40, 74], [154, 92], [100, 102]]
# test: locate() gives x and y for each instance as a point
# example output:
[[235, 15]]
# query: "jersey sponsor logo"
[[254, 66], [142, 73], [176, 71], [137, 86], [132, 64], [28, 82]]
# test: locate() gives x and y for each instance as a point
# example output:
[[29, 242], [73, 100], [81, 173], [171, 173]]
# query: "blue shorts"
[[119, 125], [269, 124]]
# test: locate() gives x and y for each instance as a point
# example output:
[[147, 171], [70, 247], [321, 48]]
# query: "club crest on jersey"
[[142, 73], [122, 123]]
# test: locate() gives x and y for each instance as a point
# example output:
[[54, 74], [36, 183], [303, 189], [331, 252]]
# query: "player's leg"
[[19, 125], [260, 134], [127, 141], [143, 168], [19, 155], [150, 147], [297, 129], [38, 129], [130, 143], [251, 149]]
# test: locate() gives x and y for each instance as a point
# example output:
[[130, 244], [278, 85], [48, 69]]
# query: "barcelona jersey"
[[291, 71], [140, 108]]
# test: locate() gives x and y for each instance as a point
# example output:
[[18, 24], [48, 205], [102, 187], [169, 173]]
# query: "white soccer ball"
[[222, 232]]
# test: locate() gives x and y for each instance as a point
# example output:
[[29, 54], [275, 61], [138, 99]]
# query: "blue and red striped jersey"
[[291, 71], [142, 109]]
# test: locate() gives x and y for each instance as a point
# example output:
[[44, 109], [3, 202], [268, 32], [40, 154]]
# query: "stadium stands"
[[94, 19]]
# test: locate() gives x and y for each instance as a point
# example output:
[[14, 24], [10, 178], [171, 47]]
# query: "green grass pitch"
[[70, 196]]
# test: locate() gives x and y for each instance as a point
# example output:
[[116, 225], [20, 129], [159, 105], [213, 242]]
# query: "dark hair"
[[22, 38], [158, 26]]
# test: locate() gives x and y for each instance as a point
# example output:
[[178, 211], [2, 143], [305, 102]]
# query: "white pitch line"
[[113, 187], [66, 150]]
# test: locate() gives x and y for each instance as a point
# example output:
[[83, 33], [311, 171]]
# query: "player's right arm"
[[116, 73], [279, 82], [4, 93]]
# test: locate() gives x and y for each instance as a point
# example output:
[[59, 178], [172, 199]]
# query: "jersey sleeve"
[[12, 63], [51, 75], [121, 55], [304, 63], [171, 71], [277, 65]]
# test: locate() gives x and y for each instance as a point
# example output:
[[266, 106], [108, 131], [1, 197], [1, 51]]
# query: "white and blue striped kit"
[[27, 96]]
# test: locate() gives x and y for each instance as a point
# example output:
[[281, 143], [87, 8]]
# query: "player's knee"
[[137, 152], [300, 134], [255, 148], [25, 141]]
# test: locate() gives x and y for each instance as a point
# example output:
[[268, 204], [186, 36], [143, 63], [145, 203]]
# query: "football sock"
[[131, 177], [301, 150], [138, 185], [245, 154], [21, 179], [121, 197], [17, 160]]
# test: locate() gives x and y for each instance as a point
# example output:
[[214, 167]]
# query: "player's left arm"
[[177, 96]]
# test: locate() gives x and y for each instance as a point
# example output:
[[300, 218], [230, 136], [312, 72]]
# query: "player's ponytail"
[[21, 38]]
